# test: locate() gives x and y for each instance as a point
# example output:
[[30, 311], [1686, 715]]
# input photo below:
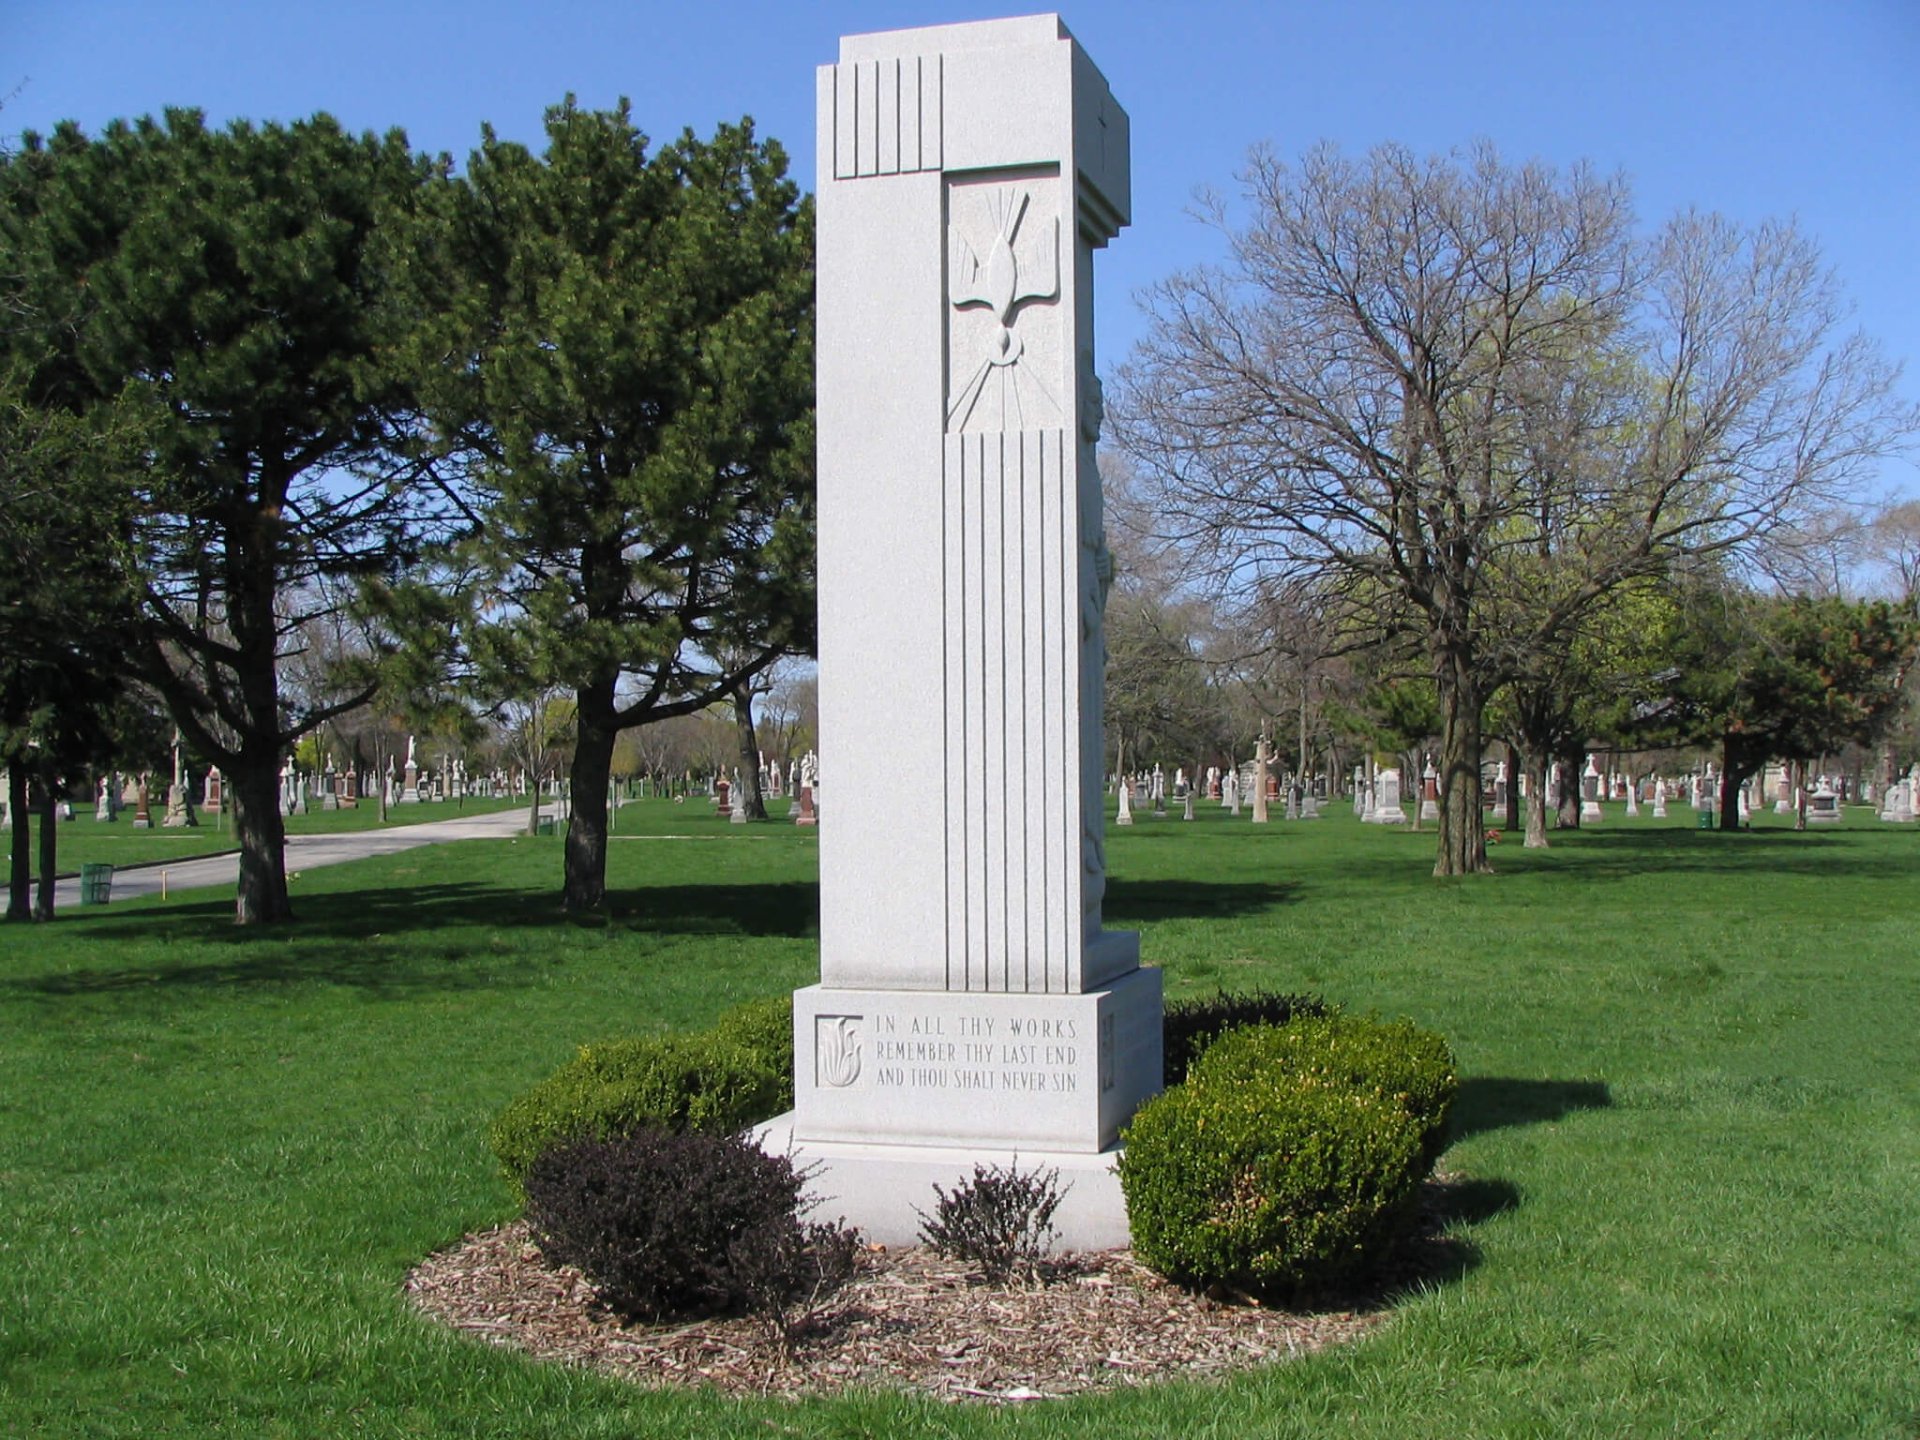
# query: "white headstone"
[[1387, 809], [971, 1001]]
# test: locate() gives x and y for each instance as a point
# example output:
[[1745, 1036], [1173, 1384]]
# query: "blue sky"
[[1756, 108]]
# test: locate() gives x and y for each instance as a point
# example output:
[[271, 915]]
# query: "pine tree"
[[624, 363], [235, 285]]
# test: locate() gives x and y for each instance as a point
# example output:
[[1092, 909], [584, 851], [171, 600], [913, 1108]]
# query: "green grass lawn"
[[85, 841], [1691, 1111]]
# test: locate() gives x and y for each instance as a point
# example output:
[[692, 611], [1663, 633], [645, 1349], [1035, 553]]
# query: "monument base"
[[883, 1189], [996, 1069]]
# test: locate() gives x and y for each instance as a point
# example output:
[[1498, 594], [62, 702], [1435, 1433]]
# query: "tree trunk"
[[1463, 833], [1513, 791], [20, 874], [753, 799], [1570, 768], [257, 826], [1413, 786], [1538, 763], [1303, 772], [586, 859], [1733, 774], [49, 850]]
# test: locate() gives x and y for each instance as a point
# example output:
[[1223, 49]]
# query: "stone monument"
[[972, 1007], [1590, 811]]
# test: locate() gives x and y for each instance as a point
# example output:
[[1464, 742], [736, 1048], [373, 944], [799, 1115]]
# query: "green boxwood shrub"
[[1192, 1024], [1291, 1159], [736, 1074], [765, 1027], [1396, 1060]]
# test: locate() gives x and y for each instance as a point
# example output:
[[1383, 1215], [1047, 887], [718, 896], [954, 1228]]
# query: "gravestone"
[[1429, 793], [1590, 812], [1387, 809], [1823, 806], [972, 1006]]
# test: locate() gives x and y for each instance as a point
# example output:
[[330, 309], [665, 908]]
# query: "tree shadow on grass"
[[393, 940], [783, 908], [1619, 854]]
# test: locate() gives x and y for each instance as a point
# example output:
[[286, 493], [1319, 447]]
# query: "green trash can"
[[96, 884], [1705, 820], [545, 828]]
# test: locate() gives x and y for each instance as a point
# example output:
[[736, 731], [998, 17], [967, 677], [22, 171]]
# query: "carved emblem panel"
[[1005, 368], [836, 1050]]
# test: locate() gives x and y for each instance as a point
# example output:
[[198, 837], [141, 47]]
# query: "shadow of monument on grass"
[[1130, 902]]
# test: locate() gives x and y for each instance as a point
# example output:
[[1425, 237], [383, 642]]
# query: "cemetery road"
[[304, 852]]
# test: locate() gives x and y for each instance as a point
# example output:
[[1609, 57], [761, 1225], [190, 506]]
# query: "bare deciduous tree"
[[1363, 395]]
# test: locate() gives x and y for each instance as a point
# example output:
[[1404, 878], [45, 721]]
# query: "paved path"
[[305, 852]]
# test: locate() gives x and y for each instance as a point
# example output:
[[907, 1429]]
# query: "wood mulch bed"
[[909, 1320]]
